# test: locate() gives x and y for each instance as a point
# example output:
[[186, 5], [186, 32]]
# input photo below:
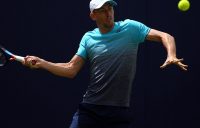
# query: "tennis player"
[[111, 50]]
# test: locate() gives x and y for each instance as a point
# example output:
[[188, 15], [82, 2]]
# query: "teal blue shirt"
[[112, 58]]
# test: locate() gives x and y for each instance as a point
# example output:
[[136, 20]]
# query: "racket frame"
[[11, 55]]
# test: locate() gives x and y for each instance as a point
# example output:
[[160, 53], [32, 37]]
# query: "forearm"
[[69, 69], [59, 69], [167, 40], [169, 43]]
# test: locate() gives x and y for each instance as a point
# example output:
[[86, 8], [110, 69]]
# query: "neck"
[[103, 28]]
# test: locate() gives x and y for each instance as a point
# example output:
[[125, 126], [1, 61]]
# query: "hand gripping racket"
[[6, 55]]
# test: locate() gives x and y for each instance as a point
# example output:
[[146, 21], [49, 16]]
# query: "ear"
[[92, 16]]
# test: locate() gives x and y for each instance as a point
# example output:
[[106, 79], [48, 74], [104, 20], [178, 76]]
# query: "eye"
[[100, 10]]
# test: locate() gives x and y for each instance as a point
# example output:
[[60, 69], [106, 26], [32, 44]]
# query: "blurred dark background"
[[52, 29]]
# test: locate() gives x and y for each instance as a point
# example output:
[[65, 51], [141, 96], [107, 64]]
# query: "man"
[[111, 50]]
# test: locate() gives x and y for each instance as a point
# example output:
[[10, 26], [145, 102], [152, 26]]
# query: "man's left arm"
[[168, 42]]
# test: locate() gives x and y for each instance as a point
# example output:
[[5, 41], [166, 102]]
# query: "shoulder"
[[129, 22], [88, 35], [131, 25]]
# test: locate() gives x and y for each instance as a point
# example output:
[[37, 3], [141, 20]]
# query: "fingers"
[[33, 62], [27, 60], [12, 59], [182, 66], [167, 62], [164, 65], [177, 62], [30, 61]]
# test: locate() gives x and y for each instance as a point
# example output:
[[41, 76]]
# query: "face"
[[104, 16]]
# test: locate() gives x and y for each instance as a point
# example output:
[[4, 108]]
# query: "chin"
[[110, 24]]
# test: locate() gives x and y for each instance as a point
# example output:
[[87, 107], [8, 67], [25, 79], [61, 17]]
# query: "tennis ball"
[[183, 5]]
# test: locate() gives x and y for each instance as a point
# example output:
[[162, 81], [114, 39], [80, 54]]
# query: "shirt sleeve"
[[82, 48], [144, 30], [139, 30]]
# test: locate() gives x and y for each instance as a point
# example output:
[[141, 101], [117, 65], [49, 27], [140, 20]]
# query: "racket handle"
[[19, 58]]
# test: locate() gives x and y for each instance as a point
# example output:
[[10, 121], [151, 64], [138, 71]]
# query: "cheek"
[[101, 17]]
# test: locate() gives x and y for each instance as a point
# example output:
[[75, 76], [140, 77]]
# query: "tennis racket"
[[6, 55]]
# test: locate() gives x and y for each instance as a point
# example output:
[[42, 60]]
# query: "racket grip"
[[19, 58]]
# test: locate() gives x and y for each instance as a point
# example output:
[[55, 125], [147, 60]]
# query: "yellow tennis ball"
[[183, 5]]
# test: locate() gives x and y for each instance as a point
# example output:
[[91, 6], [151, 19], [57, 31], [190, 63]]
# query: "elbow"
[[169, 37], [71, 71], [71, 75], [172, 38]]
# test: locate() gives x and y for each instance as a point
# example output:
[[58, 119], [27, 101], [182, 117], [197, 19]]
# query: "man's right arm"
[[69, 69]]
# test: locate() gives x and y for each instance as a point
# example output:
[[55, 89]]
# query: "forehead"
[[105, 5]]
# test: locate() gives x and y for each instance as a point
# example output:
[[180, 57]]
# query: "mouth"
[[110, 19]]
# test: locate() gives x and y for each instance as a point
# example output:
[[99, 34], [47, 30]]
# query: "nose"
[[108, 12]]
